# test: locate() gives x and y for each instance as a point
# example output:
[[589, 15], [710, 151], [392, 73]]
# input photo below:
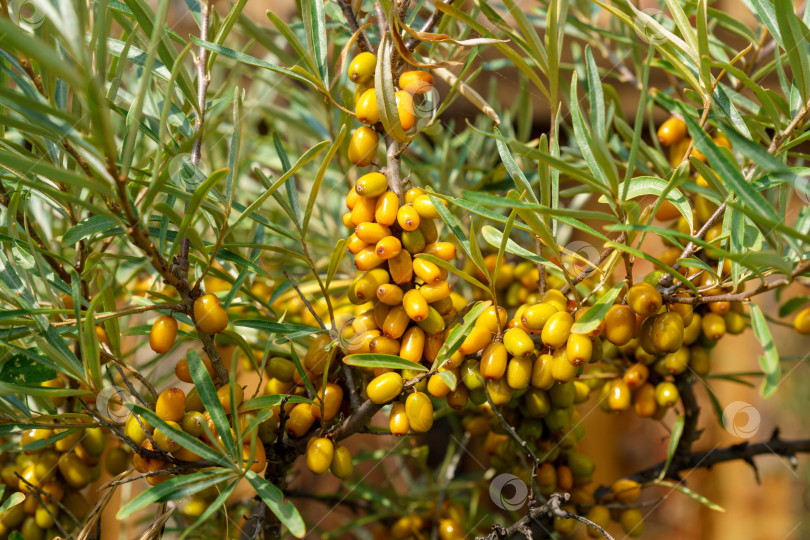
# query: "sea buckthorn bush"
[[386, 233]]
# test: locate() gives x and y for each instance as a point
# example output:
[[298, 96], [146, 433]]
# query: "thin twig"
[[362, 41]]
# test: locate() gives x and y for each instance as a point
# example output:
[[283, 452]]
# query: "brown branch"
[[706, 460], [585, 273], [362, 41], [540, 516], [57, 267], [429, 25]]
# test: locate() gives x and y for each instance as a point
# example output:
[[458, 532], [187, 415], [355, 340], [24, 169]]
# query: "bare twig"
[[585, 273], [429, 25], [362, 41]]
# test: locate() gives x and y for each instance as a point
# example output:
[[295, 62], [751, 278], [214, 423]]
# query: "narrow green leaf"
[[174, 488], [210, 399], [457, 335], [264, 402], [285, 511], [674, 438], [686, 491], [382, 361], [597, 312], [769, 363]]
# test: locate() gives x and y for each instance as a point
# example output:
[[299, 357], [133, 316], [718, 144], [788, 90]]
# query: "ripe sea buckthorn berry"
[[300, 420], [632, 521], [258, 460], [735, 322], [384, 345], [677, 362], [412, 344], [366, 109], [164, 440], [471, 374], [360, 343], [398, 420], [372, 184], [721, 140], [347, 220], [132, 429], [644, 299], [645, 337], [363, 211], [384, 388], [555, 298], [401, 267], [419, 409], [371, 232], [667, 332], [519, 372], [700, 360], [413, 241], [361, 68], [351, 199], [620, 325], [171, 405], [579, 348], [341, 465], [667, 211], [644, 402], [499, 392], [416, 82], [684, 310], [625, 490], [457, 399], [666, 394], [692, 331], [557, 329], [436, 386], [209, 315], [385, 211], [319, 455], [192, 423], [332, 396], [698, 154], [535, 317], [94, 441], [363, 146], [224, 395], [415, 305], [434, 292], [355, 245], [518, 342], [424, 206], [427, 271], [396, 322], [476, 340], [405, 110], [389, 294], [73, 470], [443, 250], [713, 326], [163, 334], [412, 194], [367, 259], [408, 218], [493, 360], [619, 396], [636, 375], [541, 372], [493, 319], [388, 247], [673, 130], [448, 528], [565, 479]]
